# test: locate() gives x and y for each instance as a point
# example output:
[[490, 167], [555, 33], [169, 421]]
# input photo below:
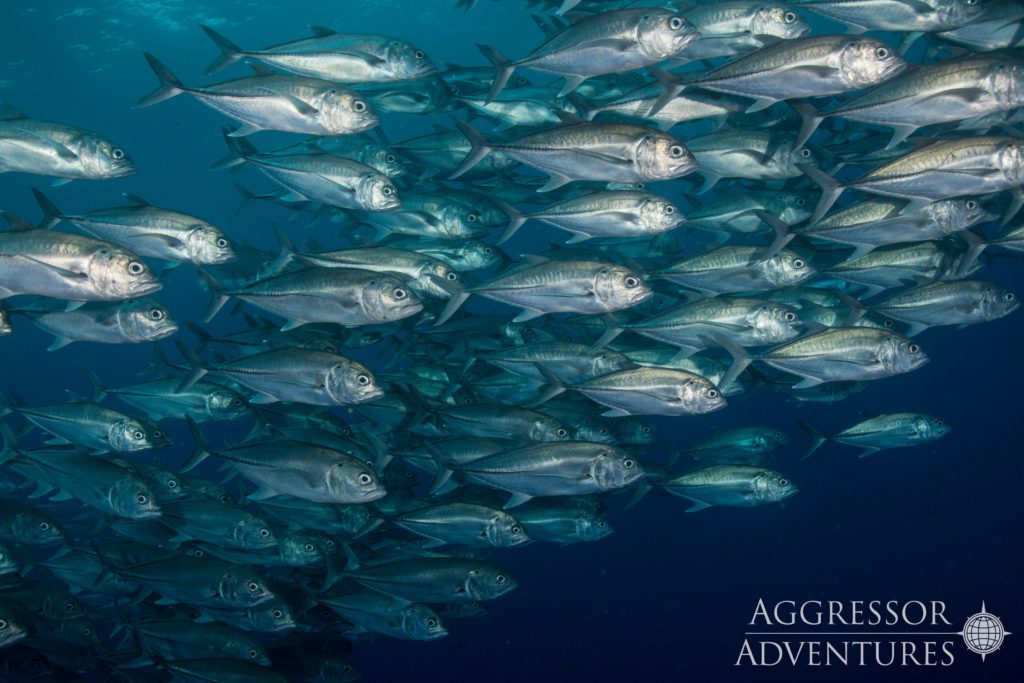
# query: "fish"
[[730, 485], [133, 321], [376, 612], [58, 150], [70, 267], [333, 56], [605, 43], [739, 446], [306, 471], [465, 524], [272, 101], [898, 15], [960, 302], [894, 430], [148, 231], [434, 579], [738, 27]]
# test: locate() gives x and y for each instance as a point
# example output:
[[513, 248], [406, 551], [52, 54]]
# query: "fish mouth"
[[122, 171], [164, 331], [148, 514], [137, 289]]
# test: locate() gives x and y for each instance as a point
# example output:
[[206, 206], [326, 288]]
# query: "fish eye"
[[69, 606], [632, 281], [805, 153], [488, 251], [452, 276], [117, 153], [783, 482], [432, 622], [675, 151], [264, 533], [136, 268], [790, 316], [141, 499], [156, 314], [646, 430], [253, 586], [222, 243], [171, 484], [516, 530], [86, 631], [365, 479], [712, 393], [236, 402], [399, 293], [779, 435], [882, 52], [913, 348], [561, 432], [253, 654], [628, 463], [277, 614], [789, 17], [939, 423], [419, 54], [363, 379], [1008, 296], [137, 434], [359, 106], [308, 547], [669, 209], [675, 23], [971, 204], [801, 202], [798, 263], [500, 578], [3, 624], [471, 218], [388, 191], [970, 3], [44, 526], [390, 158], [157, 434]]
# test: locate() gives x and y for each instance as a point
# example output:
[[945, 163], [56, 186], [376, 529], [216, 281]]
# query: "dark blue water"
[[668, 596]]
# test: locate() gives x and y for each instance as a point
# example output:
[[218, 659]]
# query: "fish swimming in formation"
[[423, 377]]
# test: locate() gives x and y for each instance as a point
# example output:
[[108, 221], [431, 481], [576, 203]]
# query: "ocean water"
[[667, 597]]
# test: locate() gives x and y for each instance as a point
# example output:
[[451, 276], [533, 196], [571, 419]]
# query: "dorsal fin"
[[322, 31], [135, 200], [261, 69]]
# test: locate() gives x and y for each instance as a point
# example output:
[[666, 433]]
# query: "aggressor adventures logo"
[[864, 633]]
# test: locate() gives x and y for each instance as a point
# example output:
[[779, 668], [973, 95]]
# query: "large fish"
[[273, 101], [894, 430], [333, 56], [605, 43], [56, 149]]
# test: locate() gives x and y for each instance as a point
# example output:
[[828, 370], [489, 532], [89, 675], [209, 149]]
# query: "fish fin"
[[527, 314], [170, 86], [1016, 201], [504, 68], [899, 134], [697, 506], [63, 272], [168, 240], [782, 234], [515, 218], [238, 150], [740, 359], [516, 500], [817, 438], [16, 223], [246, 129], [555, 181], [135, 200], [830, 190], [673, 86], [810, 119], [611, 331], [62, 497], [60, 182], [59, 342], [868, 451], [915, 329], [229, 52], [572, 82], [808, 382], [321, 31], [760, 103], [262, 493], [202, 450], [616, 412], [217, 296], [453, 305], [710, 180], [51, 214], [479, 148], [642, 489]]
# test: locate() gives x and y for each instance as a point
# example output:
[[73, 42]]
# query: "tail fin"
[[170, 86], [504, 70], [99, 392], [515, 218], [229, 52], [830, 190], [286, 250], [51, 214], [198, 369], [202, 450], [672, 84], [239, 149], [477, 152], [782, 234], [217, 296], [453, 305], [740, 360], [810, 119], [642, 489], [205, 338], [817, 438]]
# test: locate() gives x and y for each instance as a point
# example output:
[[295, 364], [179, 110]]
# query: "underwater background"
[[666, 597]]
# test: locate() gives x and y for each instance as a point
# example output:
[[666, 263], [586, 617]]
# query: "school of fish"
[[419, 392]]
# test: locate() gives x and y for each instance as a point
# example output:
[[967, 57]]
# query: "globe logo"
[[983, 633]]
